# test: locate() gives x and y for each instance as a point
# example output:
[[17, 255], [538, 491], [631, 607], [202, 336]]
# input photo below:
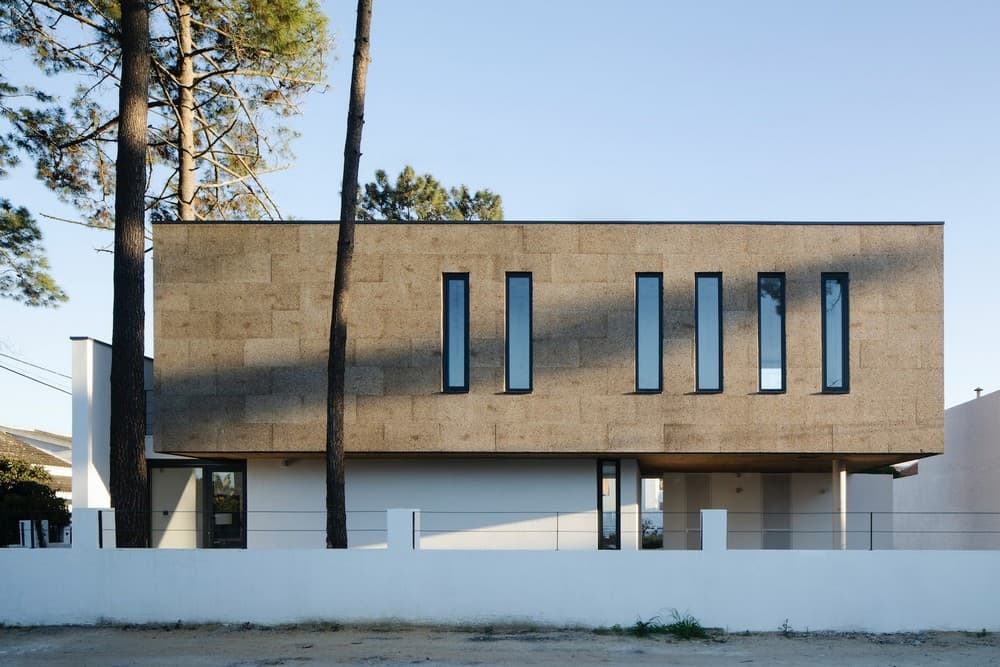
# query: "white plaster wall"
[[869, 511], [631, 503], [91, 423], [820, 590], [464, 503], [812, 511], [810, 504], [740, 493], [933, 508], [674, 508], [91, 403]]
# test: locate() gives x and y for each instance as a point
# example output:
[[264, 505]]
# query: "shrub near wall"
[[25, 494]]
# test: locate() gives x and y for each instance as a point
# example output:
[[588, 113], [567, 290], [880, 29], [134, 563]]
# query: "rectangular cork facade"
[[242, 316]]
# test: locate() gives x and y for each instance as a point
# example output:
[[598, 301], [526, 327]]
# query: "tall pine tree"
[[202, 90], [336, 504]]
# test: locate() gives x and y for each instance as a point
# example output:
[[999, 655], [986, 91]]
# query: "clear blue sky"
[[646, 110]]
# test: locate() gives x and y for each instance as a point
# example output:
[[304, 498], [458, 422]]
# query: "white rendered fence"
[[877, 591]]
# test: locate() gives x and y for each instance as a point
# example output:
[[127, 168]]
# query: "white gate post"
[[403, 529], [713, 530], [93, 528]]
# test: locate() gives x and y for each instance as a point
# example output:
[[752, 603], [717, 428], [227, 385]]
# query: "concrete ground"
[[384, 645]]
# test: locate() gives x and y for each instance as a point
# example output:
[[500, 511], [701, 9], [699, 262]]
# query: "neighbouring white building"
[[953, 500]]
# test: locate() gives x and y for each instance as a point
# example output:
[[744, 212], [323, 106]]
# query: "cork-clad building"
[[504, 367]]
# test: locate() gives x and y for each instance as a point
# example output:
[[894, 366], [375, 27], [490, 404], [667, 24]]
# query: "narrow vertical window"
[[150, 413], [455, 356], [708, 331], [609, 505], [518, 352], [771, 330], [649, 332], [836, 326]]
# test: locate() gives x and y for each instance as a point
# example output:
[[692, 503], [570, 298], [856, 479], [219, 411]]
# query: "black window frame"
[[208, 466], [659, 306], [445, 331], [697, 356], [149, 411], [845, 288], [617, 545], [784, 324], [531, 333]]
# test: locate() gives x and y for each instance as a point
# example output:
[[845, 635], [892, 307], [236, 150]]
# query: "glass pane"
[[227, 509], [709, 333], [772, 315], [456, 332], [651, 516], [519, 332], [149, 411], [834, 293], [648, 333], [609, 506]]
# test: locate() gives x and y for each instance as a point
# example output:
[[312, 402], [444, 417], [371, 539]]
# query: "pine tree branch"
[[256, 134], [81, 223], [210, 145], [234, 181], [284, 78], [77, 17], [90, 135]]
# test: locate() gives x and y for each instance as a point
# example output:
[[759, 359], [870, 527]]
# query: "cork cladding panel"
[[242, 316]]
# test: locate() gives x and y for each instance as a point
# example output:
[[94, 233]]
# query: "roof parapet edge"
[[818, 223]]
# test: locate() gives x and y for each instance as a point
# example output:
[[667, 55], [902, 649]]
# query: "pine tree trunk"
[[336, 506], [129, 493], [185, 125]]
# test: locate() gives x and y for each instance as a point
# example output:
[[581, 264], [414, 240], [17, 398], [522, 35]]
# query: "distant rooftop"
[[47, 436], [12, 447]]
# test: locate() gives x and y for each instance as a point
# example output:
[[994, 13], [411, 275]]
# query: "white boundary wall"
[[878, 591]]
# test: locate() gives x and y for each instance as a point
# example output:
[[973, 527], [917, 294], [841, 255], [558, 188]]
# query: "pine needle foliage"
[[422, 197], [226, 76]]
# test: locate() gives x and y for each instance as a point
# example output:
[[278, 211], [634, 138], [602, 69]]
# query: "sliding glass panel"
[[835, 333], [518, 332], [648, 331], [455, 357], [609, 506], [708, 331], [771, 330]]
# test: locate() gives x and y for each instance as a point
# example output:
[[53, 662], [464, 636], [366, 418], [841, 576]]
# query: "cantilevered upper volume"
[[729, 345]]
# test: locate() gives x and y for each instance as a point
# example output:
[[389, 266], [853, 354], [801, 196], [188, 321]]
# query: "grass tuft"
[[682, 626]]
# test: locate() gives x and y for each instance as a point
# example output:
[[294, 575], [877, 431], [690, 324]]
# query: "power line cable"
[[41, 368], [51, 386]]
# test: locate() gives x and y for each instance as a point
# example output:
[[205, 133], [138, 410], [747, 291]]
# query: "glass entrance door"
[[226, 508]]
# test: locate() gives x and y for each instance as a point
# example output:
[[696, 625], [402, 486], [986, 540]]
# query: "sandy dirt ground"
[[385, 645]]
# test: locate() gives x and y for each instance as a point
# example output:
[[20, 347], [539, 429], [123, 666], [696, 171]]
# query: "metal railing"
[[575, 530], [239, 528], [531, 530], [831, 530]]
